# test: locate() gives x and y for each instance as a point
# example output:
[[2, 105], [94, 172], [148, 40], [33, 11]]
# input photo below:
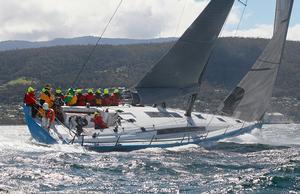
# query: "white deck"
[[148, 125]]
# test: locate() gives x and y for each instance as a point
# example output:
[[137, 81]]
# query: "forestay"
[[179, 71], [250, 99]]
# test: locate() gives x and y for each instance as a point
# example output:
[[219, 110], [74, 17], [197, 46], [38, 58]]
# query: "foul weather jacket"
[[90, 98], [81, 100], [29, 99]]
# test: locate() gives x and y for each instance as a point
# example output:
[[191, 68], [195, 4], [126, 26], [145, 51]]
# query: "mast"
[[191, 102]]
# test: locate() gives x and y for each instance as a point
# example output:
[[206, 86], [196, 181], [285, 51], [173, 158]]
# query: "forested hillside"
[[124, 65]]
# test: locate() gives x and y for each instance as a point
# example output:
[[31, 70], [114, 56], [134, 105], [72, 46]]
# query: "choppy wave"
[[264, 161]]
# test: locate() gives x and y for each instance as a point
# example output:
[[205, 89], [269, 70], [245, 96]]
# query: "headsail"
[[250, 99], [179, 71]]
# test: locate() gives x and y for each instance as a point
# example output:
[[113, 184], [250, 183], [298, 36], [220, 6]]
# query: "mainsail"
[[250, 99], [179, 71]]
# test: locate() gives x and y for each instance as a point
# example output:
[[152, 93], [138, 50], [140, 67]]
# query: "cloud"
[[260, 30], [264, 31], [294, 32], [48, 19]]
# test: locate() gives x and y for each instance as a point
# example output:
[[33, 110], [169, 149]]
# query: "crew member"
[[115, 98], [58, 103], [98, 120], [48, 117], [81, 98], [106, 97], [90, 97], [70, 98], [46, 96], [30, 101], [98, 97], [58, 93]]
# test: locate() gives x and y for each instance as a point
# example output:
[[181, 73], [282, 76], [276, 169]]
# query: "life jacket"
[[114, 99], [70, 100], [81, 100], [67, 98], [47, 97], [50, 114], [106, 101], [98, 100], [73, 101], [90, 98], [29, 98], [99, 123]]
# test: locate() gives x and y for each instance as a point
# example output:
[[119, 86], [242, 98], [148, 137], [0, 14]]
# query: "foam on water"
[[17, 138], [277, 135], [236, 165]]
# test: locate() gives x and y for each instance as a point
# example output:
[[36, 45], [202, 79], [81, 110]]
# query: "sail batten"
[[181, 68], [250, 99]]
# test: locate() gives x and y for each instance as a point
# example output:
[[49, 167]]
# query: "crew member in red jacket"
[[30, 100], [115, 98], [81, 98], [98, 120], [90, 98], [106, 98]]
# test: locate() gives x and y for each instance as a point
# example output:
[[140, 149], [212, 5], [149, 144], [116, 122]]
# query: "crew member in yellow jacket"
[[46, 96]]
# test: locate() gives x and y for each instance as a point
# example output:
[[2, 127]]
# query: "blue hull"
[[37, 132], [41, 135]]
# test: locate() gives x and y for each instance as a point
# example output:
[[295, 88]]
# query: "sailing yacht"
[[137, 125]]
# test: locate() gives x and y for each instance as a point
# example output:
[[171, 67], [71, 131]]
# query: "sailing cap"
[[106, 91], [79, 91], [30, 89], [58, 91], [98, 91], [47, 87], [71, 91]]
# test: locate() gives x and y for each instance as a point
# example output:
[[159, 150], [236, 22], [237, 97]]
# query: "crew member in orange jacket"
[[98, 97], [46, 96]]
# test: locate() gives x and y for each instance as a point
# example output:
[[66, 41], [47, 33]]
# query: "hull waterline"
[[43, 136]]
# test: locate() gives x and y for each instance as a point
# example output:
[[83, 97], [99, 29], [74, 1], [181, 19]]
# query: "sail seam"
[[264, 61], [262, 69]]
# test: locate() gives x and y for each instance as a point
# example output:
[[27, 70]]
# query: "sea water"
[[264, 161]]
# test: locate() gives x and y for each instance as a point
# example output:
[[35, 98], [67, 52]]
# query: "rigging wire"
[[220, 35], [245, 4], [98, 41]]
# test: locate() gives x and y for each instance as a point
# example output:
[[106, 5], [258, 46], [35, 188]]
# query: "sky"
[[41, 20]]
